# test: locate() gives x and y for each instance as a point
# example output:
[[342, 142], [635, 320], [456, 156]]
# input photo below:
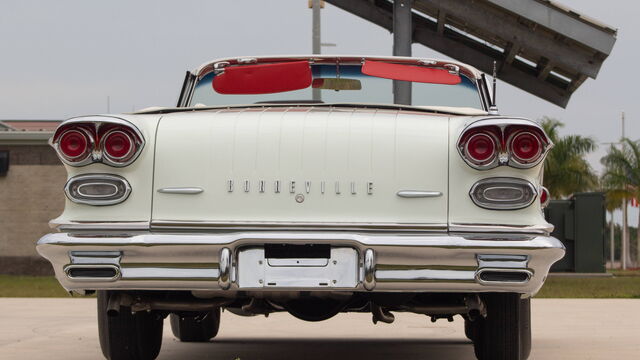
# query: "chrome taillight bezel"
[[80, 160], [517, 159], [97, 128], [122, 160], [505, 129], [489, 162]]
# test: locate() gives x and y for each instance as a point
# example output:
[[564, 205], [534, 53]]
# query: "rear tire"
[[525, 328], [128, 336], [505, 334], [470, 329], [193, 329]]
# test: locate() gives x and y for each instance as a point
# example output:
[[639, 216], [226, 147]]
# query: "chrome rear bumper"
[[385, 262]]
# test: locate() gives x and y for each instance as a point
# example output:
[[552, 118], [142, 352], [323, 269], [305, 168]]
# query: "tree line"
[[566, 172]]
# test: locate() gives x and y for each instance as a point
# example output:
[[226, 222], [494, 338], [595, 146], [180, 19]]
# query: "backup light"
[[97, 189], [503, 193]]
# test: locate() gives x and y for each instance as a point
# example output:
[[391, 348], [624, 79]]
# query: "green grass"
[[623, 285], [30, 286], [620, 286]]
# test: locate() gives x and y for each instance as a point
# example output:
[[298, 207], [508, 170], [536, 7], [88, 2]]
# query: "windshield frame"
[[193, 78]]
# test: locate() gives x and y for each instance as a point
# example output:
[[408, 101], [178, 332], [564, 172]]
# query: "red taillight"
[[113, 142], [74, 145], [525, 147], [517, 143], [117, 145], [481, 148], [544, 197]]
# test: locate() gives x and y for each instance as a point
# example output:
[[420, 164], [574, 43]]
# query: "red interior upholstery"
[[263, 78], [409, 73]]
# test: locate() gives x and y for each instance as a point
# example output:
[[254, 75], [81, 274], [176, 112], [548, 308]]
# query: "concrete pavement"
[[54, 329]]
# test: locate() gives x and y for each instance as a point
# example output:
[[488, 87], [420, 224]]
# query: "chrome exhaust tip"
[[104, 272], [503, 276]]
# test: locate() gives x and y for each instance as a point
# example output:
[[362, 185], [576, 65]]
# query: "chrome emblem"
[[262, 187], [299, 198]]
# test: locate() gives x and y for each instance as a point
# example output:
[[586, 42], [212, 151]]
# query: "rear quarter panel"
[[139, 175]]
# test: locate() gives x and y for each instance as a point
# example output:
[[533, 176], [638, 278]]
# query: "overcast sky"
[[63, 58]]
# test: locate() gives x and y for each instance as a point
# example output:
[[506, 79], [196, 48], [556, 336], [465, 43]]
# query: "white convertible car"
[[303, 184]]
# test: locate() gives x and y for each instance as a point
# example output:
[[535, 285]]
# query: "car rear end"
[[309, 208], [401, 189]]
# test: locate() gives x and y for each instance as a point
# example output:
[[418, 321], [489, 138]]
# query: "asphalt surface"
[[562, 329]]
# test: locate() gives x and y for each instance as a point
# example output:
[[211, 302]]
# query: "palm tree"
[[611, 204], [621, 177], [566, 171]]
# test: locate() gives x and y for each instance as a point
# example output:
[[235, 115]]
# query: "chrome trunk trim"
[[256, 225]]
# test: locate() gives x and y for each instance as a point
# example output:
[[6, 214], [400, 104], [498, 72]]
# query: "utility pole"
[[402, 40], [315, 6]]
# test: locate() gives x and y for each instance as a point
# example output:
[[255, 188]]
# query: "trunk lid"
[[306, 166]]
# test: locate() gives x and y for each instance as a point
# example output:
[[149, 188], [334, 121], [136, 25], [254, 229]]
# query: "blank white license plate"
[[340, 270]]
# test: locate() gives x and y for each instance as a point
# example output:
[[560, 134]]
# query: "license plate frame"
[[340, 270]]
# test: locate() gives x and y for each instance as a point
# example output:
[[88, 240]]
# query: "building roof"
[[31, 125], [27, 132], [4, 127]]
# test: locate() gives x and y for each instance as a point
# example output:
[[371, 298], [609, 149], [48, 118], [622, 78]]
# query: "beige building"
[[31, 193]]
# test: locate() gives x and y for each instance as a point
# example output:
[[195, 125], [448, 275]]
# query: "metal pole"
[[315, 37], [625, 222], [625, 235], [402, 39], [612, 245]]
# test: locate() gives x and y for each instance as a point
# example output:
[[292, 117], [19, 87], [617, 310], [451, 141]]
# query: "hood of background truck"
[[312, 166]]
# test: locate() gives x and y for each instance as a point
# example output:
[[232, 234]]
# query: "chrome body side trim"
[[543, 229], [387, 261], [418, 194], [181, 190]]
